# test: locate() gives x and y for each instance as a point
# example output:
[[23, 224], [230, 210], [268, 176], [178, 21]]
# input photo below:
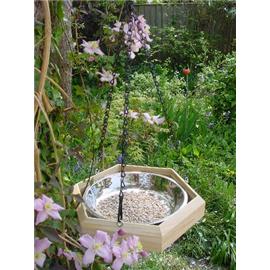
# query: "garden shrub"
[[180, 47], [218, 81]]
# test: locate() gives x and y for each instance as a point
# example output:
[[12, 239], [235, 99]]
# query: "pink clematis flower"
[[70, 255], [148, 118], [136, 35], [115, 236], [97, 245], [158, 120], [46, 207], [108, 76], [135, 247], [92, 47], [40, 246], [123, 256]]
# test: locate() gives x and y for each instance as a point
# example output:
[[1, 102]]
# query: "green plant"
[[218, 81]]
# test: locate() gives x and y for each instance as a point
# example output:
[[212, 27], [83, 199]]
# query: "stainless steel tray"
[[163, 189]]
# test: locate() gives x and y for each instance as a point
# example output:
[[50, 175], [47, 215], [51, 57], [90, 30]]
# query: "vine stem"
[[54, 144], [46, 50], [61, 90], [70, 242]]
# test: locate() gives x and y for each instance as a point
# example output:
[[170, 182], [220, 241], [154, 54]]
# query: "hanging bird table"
[[153, 203]]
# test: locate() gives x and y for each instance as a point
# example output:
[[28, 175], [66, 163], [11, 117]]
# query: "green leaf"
[[196, 152]]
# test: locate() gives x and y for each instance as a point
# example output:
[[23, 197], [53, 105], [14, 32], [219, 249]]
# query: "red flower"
[[186, 71]]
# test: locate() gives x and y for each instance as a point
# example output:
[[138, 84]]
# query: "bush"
[[218, 81], [180, 47]]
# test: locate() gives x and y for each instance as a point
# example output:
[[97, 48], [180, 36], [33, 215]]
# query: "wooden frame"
[[153, 237]]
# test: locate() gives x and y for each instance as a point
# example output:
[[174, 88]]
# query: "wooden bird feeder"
[[153, 237]]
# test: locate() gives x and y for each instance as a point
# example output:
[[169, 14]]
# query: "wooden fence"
[[216, 22]]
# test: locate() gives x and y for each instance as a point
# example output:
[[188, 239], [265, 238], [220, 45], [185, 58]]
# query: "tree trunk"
[[65, 47]]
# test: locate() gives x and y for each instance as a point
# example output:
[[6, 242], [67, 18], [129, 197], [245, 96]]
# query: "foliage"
[[180, 47], [217, 80]]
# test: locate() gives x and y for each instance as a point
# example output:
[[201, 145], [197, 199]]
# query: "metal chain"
[[124, 144], [106, 119], [103, 131], [124, 137]]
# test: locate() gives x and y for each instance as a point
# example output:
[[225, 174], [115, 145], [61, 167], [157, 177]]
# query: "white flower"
[[148, 118], [117, 26], [133, 115], [158, 120], [92, 47], [107, 76]]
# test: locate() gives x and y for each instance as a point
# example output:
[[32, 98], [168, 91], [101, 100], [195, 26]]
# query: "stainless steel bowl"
[[169, 193]]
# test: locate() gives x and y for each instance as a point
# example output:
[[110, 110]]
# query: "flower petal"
[[128, 260], [117, 264], [116, 249], [60, 252], [88, 257], [132, 55], [106, 253], [41, 216], [38, 205], [40, 259], [42, 244], [46, 199], [77, 264], [86, 241], [102, 237], [54, 214], [99, 51], [125, 29], [57, 207]]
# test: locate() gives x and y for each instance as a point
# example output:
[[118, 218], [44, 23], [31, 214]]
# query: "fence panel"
[[195, 17]]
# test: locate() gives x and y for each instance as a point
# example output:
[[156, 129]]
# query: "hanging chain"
[[106, 119], [124, 137], [103, 131], [124, 144]]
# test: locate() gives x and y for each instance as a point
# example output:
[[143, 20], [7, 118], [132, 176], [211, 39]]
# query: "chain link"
[[103, 131], [124, 144], [124, 137]]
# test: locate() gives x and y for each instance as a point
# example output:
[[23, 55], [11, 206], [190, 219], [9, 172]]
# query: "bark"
[[65, 47]]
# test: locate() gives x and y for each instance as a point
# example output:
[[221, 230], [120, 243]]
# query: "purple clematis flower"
[[70, 255], [134, 245], [123, 256], [115, 236], [45, 208], [136, 35], [92, 47], [97, 245], [40, 246]]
